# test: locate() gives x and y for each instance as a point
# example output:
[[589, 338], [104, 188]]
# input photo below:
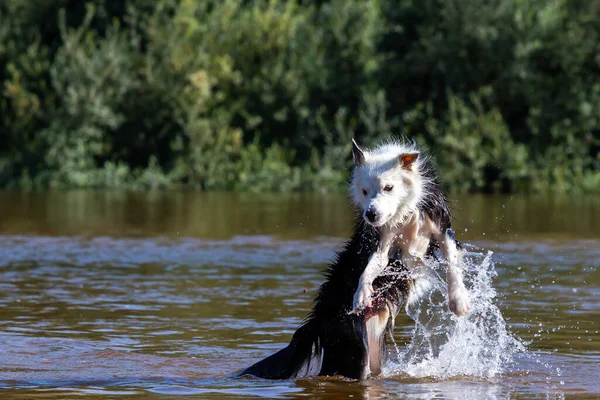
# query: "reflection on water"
[[131, 294], [299, 216]]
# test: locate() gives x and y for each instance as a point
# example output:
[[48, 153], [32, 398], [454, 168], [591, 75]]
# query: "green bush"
[[258, 95], [474, 149]]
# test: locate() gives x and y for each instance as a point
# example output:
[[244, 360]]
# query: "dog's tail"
[[303, 357]]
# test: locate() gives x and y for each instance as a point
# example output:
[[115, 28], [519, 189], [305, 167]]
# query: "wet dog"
[[404, 219], [400, 197]]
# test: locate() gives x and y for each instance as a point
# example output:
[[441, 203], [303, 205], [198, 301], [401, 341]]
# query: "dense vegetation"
[[266, 94]]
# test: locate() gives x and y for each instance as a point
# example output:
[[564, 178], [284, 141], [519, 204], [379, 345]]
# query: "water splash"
[[444, 345]]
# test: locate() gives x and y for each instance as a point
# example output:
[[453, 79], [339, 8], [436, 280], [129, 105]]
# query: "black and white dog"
[[405, 218]]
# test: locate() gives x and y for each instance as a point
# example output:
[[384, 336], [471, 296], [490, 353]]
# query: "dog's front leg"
[[377, 263], [458, 296]]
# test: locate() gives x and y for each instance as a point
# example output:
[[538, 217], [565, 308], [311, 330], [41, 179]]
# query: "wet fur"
[[332, 340], [400, 196]]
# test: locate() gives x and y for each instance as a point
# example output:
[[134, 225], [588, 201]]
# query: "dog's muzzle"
[[371, 215]]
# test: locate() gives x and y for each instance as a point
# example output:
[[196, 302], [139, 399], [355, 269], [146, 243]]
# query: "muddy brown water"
[[168, 294]]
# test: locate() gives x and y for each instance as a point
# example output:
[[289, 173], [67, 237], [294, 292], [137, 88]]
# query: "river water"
[[168, 294]]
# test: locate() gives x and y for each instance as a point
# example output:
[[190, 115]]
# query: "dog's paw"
[[459, 301], [362, 297]]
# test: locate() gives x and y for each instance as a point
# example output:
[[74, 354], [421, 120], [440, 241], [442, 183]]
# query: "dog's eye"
[[365, 192], [388, 188]]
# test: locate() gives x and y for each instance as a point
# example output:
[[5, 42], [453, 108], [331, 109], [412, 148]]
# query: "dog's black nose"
[[371, 215]]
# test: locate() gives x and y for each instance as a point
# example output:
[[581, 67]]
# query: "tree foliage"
[[266, 94]]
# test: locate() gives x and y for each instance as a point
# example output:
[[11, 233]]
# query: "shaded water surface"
[[137, 295]]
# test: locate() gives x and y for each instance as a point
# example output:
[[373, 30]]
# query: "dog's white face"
[[386, 184]]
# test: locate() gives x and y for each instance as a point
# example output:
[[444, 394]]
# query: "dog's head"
[[386, 183]]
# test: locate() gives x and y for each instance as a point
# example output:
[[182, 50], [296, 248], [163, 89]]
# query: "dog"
[[355, 308], [400, 196]]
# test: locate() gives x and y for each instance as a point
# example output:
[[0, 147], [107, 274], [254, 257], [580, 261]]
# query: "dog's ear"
[[357, 154], [406, 160]]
